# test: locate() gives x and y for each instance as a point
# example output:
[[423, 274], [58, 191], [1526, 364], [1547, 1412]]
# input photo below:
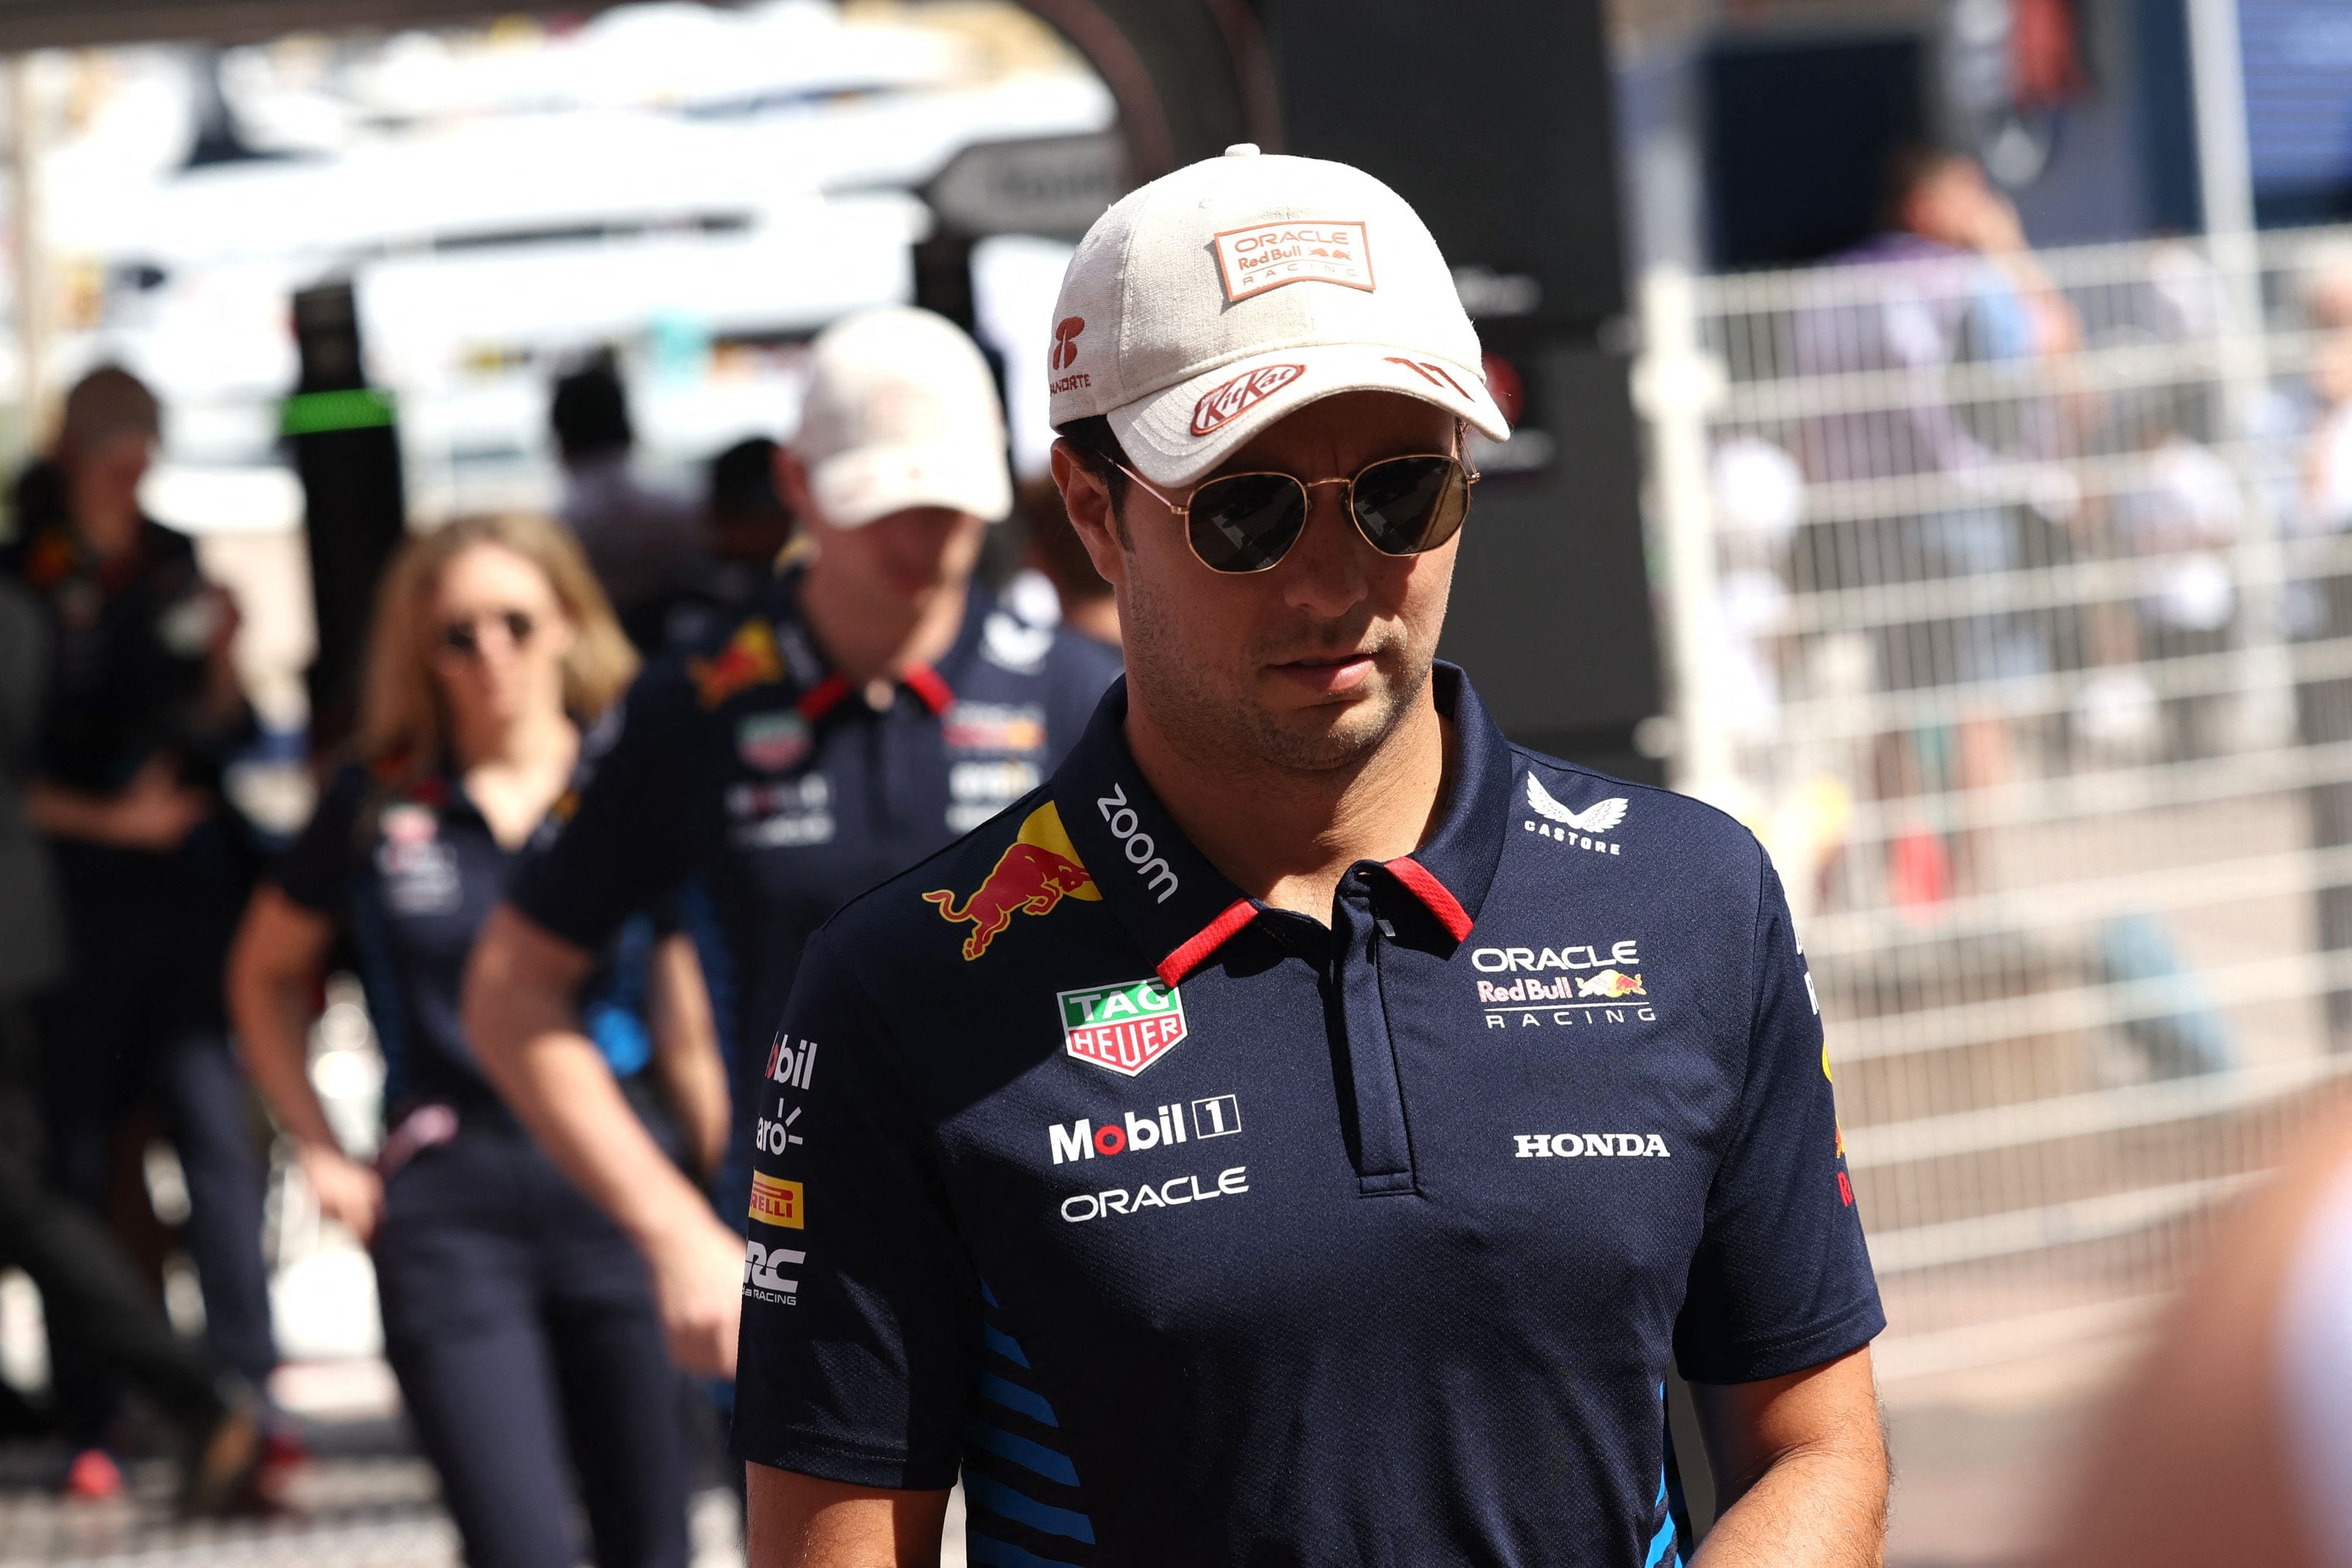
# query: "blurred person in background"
[[641, 542], [746, 527], [877, 704], [1948, 282], [2231, 1443], [81, 1274], [1057, 583], [141, 714], [520, 1322]]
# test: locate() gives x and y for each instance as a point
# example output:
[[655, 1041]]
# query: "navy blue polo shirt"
[[129, 661], [752, 769], [410, 866], [1192, 1231]]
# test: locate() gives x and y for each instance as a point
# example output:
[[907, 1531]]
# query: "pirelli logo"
[[777, 1202]]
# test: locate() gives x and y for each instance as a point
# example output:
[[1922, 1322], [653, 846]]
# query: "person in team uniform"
[[876, 705], [1310, 1127], [142, 715], [520, 1322]]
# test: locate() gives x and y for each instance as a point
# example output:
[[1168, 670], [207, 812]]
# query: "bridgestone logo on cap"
[[1221, 404], [1316, 250]]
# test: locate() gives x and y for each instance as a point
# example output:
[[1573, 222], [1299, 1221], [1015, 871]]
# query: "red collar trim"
[[921, 680], [1433, 892], [925, 683], [1204, 942], [823, 697]]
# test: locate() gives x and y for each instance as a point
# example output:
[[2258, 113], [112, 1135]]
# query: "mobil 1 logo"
[[1218, 1116]]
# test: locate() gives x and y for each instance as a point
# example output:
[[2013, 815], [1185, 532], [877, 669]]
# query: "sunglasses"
[[465, 637], [1239, 523]]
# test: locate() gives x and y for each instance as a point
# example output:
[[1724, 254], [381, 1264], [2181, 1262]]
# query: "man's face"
[[1948, 205], [902, 558], [1311, 664]]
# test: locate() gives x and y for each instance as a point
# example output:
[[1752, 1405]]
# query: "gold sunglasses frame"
[[1184, 509]]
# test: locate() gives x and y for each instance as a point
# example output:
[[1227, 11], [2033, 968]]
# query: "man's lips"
[[1336, 672]]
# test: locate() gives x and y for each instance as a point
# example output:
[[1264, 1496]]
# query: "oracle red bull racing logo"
[[1531, 998], [1036, 873]]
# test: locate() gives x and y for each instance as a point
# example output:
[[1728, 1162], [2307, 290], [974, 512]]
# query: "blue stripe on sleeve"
[[1022, 1508], [987, 1551], [1012, 1396], [1044, 1462]]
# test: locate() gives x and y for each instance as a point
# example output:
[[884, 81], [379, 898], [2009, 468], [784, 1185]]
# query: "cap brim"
[[1162, 433], [857, 487]]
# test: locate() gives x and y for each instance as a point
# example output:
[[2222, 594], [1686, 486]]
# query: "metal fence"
[[2011, 602]]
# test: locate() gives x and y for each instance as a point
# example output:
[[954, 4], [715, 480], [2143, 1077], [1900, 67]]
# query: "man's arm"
[[521, 1019], [799, 1521], [1801, 1464], [685, 1059]]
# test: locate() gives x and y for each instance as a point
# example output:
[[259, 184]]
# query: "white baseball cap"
[[1217, 300], [901, 412]]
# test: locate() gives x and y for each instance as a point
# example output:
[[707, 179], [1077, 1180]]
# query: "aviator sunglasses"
[[1240, 523], [465, 637]]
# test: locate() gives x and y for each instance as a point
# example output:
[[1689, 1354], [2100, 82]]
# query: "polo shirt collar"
[[1181, 909], [824, 688]]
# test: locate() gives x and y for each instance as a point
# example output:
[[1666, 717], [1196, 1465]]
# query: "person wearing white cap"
[[877, 704], [1307, 1129]]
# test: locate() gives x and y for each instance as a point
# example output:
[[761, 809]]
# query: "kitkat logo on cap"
[[1222, 404], [1267, 256]]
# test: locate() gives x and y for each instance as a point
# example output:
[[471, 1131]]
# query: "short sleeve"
[[1782, 1280], [860, 1303], [316, 870], [631, 834]]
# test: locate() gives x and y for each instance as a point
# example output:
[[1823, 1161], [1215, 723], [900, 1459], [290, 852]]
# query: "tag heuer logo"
[[1123, 1027]]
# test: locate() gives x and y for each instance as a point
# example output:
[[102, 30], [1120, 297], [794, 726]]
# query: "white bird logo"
[[1598, 817]]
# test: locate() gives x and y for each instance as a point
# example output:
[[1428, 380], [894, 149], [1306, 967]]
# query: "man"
[[1304, 1130], [142, 715], [745, 527], [642, 542], [875, 707]]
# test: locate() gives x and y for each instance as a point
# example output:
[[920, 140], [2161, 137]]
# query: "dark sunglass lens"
[[1407, 505], [520, 626], [1246, 523]]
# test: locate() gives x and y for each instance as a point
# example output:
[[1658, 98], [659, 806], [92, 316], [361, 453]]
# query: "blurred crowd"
[[1983, 526]]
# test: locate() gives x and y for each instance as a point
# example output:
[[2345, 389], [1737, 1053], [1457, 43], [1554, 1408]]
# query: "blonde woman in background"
[[519, 1321]]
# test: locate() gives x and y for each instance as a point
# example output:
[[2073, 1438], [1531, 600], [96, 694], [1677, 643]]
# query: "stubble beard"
[[1236, 733]]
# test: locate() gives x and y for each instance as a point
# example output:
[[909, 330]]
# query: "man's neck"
[[109, 534], [1288, 837], [872, 639]]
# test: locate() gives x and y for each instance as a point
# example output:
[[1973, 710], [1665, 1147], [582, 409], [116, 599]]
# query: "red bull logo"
[[1036, 873], [749, 659], [1611, 983]]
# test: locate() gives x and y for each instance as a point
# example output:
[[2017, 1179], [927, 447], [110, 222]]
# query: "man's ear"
[[1093, 514]]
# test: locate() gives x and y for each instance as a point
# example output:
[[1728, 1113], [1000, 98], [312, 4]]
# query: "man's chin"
[[1333, 731]]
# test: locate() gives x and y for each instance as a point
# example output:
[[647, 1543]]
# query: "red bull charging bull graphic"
[[1034, 874], [749, 659]]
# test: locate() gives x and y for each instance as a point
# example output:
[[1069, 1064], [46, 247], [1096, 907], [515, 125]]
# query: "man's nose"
[[1324, 572]]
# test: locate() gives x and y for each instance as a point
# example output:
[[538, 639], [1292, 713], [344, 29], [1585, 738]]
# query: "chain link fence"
[[2011, 602]]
